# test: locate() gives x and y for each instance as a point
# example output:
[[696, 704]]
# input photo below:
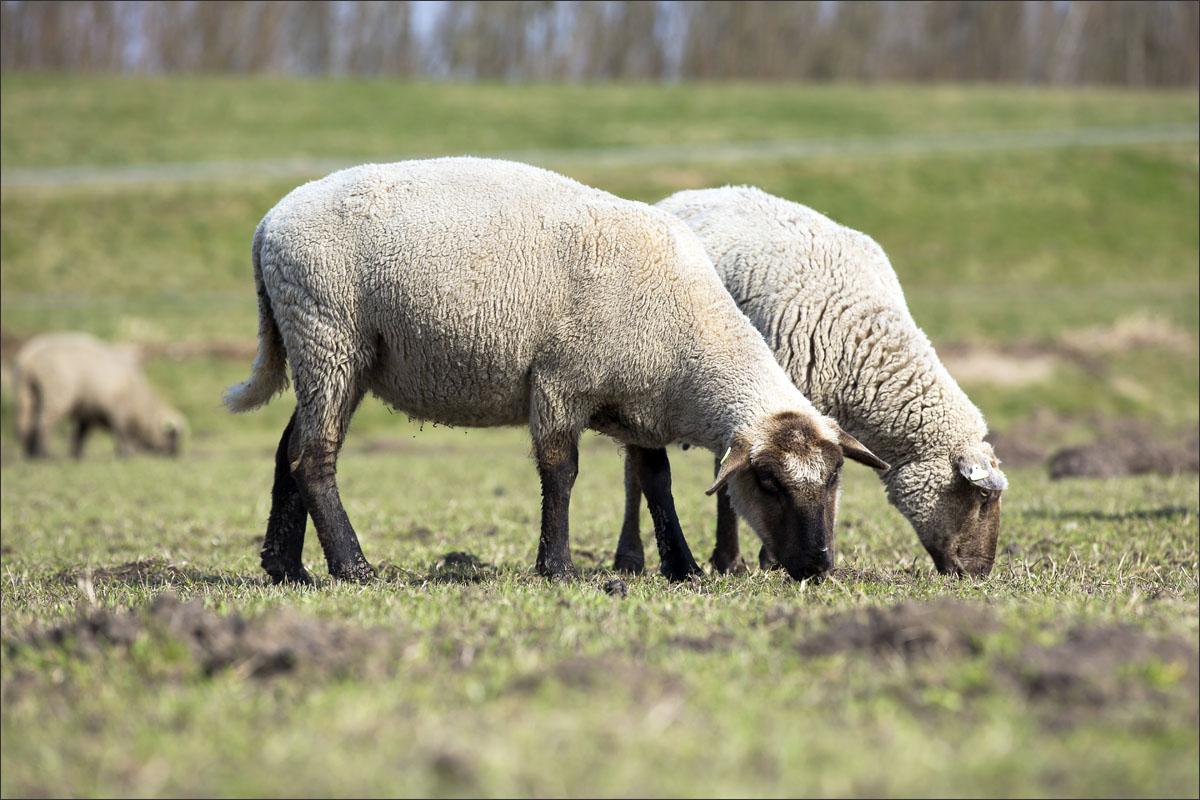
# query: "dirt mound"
[[1090, 667], [1134, 453], [278, 642], [1094, 665], [911, 630], [1118, 446]]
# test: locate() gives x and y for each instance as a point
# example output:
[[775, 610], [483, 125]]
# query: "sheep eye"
[[767, 483], [984, 496], [833, 478]]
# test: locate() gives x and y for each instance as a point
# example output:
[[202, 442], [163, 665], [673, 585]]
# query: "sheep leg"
[[30, 417], [284, 541], [78, 435], [630, 556], [727, 557], [654, 471], [766, 561], [558, 465], [312, 457]]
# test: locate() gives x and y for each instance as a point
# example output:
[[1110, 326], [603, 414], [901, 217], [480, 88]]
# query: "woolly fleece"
[[829, 305]]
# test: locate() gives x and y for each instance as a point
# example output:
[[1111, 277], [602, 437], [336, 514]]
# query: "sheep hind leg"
[[312, 457], [654, 471], [630, 556], [558, 466], [284, 542]]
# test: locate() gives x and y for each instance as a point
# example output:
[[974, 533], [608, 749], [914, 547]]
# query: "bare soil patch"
[[1118, 446], [1131, 452], [276, 643], [1092, 666], [910, 630]]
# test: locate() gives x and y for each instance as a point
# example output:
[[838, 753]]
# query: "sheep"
[[828, 303], [481, 292], [76, 376]]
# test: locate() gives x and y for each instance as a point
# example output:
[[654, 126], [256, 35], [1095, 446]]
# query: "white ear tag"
[[728, 450], [978, 473]]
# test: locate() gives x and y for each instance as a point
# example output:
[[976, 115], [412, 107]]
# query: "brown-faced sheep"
[[480, 292], [829, 305]]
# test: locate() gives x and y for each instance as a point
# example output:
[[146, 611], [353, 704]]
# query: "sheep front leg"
[[78, 436], [284, 542], [727, 557], [558, 465], [654, 472], [630, 556]]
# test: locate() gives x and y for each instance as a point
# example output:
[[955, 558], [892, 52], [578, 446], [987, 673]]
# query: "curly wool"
[[480, 292], [829, 305]]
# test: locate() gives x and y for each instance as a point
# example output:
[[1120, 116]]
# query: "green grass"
[[508, 685], [495, 683], [110, 120]]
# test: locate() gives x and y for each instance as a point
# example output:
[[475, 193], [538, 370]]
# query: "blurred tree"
[[1037, 41]]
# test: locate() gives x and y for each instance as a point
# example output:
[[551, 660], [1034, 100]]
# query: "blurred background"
[[1036, 43], [1030, 168]]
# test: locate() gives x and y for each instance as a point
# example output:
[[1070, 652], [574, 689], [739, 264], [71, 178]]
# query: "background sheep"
[[76, 376], [828, 303], [479, 292]]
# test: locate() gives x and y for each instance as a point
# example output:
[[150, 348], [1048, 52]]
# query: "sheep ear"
[[854, 450], [980, 471], [736, 457]]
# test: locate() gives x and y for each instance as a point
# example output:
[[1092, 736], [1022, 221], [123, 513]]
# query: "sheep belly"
[[450, 385]]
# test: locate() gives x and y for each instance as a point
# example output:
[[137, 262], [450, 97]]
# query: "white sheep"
[[828, 303], [76, 376], [479, 292]]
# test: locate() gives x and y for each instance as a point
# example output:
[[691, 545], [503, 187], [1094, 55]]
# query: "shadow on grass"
[[1166, 512]]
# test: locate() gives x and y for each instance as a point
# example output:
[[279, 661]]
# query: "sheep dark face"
[[954, 505], [785, 480]]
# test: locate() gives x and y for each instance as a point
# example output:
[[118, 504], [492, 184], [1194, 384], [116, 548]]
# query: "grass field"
[[1071, 273]]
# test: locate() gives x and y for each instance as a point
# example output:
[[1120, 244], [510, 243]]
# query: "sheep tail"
[[268, 376]]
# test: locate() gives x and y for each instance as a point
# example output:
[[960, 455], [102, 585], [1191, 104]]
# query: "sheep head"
[[953, 502], [784, 477], [163, 432]]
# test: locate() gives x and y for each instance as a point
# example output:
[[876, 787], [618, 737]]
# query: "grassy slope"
[[692, 690]]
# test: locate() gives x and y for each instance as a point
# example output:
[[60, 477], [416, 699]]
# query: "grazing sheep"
[[827, 302], [478, 292], [76, 376]]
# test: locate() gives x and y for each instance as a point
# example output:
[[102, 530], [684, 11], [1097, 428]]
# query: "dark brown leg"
[[766, 561], [78, 435], [654, 471], [631, 557], [727, 557], [284, 541], [558, 465]]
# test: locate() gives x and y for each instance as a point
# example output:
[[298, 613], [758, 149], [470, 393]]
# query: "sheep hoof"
[[629, 563], [679, 573], [559, 574], [301, 578], [282, 573], [729, 565], [358, 571]]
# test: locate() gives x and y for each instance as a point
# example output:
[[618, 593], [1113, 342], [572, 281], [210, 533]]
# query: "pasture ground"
[[143, 655]]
